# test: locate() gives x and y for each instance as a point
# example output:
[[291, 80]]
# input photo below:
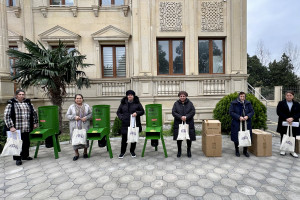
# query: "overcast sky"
[[274, 22]]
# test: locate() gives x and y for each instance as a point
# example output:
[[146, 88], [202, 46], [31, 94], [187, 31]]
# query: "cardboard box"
[[297, 145], [212, 145], [211, 127], [261, 143]]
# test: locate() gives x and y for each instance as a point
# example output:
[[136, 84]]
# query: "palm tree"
[[51, 69]]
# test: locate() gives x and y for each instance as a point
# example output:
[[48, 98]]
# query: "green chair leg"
[[37, 149], [108, 146], [91, 146], [164, 146], [55, 146], [58, 145], [155, 148], [144, 147]]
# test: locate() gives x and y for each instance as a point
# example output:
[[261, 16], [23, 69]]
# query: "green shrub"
[[221, 112], [2, 138], [172, 128], [116, 127]]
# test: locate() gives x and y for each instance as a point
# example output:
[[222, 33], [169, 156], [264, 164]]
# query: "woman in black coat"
[[288, 110], [241, 111], [130, 105], [184, 111]]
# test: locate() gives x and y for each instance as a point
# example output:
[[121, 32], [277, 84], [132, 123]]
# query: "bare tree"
[[292, 51], [263, 53]]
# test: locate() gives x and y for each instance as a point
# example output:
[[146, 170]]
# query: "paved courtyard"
[[152, 177]]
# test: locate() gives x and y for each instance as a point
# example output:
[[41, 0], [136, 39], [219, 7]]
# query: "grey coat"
[[71, 114]]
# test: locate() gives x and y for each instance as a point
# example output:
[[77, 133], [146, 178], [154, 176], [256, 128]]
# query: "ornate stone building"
[[155, 47]]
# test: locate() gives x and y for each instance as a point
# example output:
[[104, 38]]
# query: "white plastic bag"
[[133, 131], [288, 141], [244, 136], [13, 145], [78, 136], [183, 131]]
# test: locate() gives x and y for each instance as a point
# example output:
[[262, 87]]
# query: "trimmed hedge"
[[221, 112], [116, 127]]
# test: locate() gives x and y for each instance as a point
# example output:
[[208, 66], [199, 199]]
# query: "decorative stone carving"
[[96, 10], [44, 11], [17, 11], [170, 16], [125, 10], [212, 16], [74, 10]]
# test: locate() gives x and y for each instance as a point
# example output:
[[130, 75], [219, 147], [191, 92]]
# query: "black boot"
[[245, 152], [189, 153], [179, 142], [237, 151]]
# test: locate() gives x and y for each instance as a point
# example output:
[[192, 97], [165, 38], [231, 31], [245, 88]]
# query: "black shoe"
[[19, 162], [237, 154], [189, 153], [133, 154], [179, 154], [85, 155], [154, 143], [246, 154], [28, 158], [121, 156], [75, 158]]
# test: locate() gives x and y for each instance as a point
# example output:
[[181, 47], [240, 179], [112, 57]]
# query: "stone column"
[[257, 92], [277, 94], [4, 64]]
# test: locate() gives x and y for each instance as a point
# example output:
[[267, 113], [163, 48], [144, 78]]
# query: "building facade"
[[155, 47]]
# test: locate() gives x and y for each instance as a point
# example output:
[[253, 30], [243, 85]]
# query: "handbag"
[[183, 131], [78, 136], [288, 141], [133, 131], [244, 136], [13, 145]]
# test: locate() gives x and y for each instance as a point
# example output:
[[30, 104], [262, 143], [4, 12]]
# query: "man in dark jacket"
[[288, 110], [241, 111], [19, 114], [130, 105], [184, 111]]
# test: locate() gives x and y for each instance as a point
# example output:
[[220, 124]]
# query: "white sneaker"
[[294, 154], [282, 153]]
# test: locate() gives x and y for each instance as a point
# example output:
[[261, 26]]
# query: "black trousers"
[[188, 143], [124, 144], [25, 146]]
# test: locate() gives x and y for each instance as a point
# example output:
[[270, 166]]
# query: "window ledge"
[[15, 9], [44, 9]]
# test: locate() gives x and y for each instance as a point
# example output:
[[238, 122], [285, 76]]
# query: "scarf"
[[80, 111]]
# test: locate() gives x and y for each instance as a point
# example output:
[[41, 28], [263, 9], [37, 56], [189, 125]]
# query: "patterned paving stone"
[[94, 193], [131, 197], [37, 180], [103, 179], [110, 186], [252, 182], [235, 176], [148, 178], [120, 193], [238, 196], [211, 196], [43, 194], [158, 197], [257, 175], [159, 184], [275, 181], [171, 192], [291, 195], [205, 183], [40, 187], [213, 177], [170, 178], [264, 196], [184, 197], [182, 184], [247, 190], [145, 192], [228, 182], [221, 190], [64, 186], [87, 186]]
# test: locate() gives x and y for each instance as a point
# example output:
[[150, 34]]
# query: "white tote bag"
[[133, 131], [244, 136], [183, 131], [78, 136], [13, 145], [288, 141]]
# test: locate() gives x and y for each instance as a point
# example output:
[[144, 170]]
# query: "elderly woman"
[[81, 113], [241, 111], [130, 105], [288, 110], [184, 111]]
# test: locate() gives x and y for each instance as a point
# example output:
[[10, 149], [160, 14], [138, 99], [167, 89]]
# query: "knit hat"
[[130, 92]]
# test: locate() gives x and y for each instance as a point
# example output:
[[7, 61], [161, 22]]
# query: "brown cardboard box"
[[297, 145], [211, 127], [212, 145], [261, 143]]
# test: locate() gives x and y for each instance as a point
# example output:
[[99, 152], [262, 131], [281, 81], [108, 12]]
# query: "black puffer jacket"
[[187, 109], [126, 109]]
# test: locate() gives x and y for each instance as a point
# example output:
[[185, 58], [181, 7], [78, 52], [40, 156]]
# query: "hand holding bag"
[[13, 145], [133, 131], [183, 131], [244, 136], [78, 136], [288, 141]]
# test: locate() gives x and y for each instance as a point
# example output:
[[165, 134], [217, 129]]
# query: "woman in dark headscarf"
[[130, 105], [241, 111]]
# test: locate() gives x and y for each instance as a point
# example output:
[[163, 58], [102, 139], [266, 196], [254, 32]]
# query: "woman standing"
[[288, 110], [81, 113], [130, 105], [241, 111], [184, 111]]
